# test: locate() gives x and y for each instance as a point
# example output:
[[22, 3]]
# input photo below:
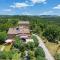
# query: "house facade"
[[22, 30]]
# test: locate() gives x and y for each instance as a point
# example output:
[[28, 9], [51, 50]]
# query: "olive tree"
[[31, 54], [51, 34], [17, 42], [35, 41], [30, 45], [3, 36], [57, 56], [40, 58], [39, 52]]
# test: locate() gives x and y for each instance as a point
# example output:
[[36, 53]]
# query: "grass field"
[[0, 46], [8, 47], [52, 47]]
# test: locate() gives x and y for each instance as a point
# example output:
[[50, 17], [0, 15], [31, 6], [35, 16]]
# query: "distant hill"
[[29, 17]]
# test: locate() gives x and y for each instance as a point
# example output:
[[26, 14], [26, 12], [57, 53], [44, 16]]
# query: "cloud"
[[38, 1], [20, 5], [47, 13], [26, 3], [7, 10], [57, 7]]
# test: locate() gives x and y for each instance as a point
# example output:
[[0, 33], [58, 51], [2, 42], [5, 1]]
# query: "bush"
[[30, 45], [7, 55], [40, 58], [22, 47], [3, 36], [22, 54], [57, 56], [39, 52], [31, 54], [51, 34], [35, 40], [2, 55], [18, 42]]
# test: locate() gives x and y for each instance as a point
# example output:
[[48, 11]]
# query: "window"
[[17, 28]]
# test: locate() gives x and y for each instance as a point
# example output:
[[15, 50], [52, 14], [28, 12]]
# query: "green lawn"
[[16, 56], [0, 46], [52, 47], [8, 47]]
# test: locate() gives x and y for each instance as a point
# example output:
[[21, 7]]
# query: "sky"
[[30, 7]]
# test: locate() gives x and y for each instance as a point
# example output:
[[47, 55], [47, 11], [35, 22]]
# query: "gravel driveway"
[[47, 53]]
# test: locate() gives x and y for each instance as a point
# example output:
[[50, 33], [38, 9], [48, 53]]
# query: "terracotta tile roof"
[[23, 22], [18, 30]]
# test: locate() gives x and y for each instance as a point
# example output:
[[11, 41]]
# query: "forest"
[[46, 26]]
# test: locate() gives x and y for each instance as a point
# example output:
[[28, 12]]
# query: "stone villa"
[[22, 30]]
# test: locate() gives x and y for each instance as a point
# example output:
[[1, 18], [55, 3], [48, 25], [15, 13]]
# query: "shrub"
[[35, 40], [39, 52], [31, 54], [3, 36], [51, 34], [40, 58], [57, 56], [18, 42], [22, 47], [2, 55], [22, 54], [6, 55], [30, 45]]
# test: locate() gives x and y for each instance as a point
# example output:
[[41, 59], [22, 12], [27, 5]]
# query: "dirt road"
[[47, 53]]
